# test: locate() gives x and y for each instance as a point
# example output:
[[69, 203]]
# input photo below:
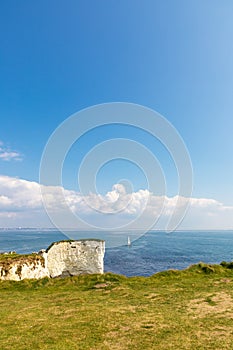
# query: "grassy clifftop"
[[7, 260], [190, 309]]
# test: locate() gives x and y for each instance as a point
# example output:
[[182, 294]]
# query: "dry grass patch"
[[219, 304]]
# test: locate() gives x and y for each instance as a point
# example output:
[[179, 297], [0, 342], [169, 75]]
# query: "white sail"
[[129, 243]]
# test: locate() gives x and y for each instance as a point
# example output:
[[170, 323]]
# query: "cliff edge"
[[60, 259]]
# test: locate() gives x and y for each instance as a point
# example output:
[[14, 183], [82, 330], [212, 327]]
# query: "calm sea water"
[[153, 252]]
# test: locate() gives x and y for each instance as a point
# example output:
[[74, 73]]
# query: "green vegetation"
[[190, 309], [12, 257]]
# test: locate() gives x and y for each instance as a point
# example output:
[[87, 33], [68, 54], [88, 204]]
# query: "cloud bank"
[[21, 205]]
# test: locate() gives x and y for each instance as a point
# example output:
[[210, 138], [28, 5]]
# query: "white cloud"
[[6, 154], [21, 205]]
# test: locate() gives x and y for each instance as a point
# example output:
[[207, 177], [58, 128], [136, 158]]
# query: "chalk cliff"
[[75, 258], [19, 267], [64, 258]]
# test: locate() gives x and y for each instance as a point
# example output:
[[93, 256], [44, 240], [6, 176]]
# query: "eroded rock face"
[[65, 258], [20, 270], [72, 258]]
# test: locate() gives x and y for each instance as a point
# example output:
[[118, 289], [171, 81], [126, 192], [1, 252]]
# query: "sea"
[[152, 252]]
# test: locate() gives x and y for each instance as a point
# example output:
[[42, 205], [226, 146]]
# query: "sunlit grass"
[[190, 309]]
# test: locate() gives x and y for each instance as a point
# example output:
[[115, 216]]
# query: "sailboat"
[[129, 242]]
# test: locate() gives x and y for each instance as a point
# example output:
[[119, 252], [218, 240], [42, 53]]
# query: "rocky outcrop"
[[64, 258], [19, 267], [70, 258]]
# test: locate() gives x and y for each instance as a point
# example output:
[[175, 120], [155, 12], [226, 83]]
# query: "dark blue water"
[[153, 252]]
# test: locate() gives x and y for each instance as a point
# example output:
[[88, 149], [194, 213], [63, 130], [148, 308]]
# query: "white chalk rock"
[[20, 270], [64, 258], [70, 258]]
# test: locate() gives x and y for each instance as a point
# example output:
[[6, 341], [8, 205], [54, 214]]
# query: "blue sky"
[[176, 57]]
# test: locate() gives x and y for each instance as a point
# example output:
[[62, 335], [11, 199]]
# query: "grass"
[[189, 309], [14, 256]]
